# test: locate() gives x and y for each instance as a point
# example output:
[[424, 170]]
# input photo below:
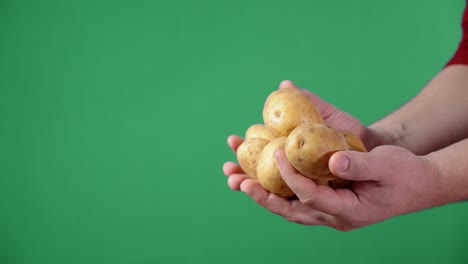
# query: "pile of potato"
[[293, 123]]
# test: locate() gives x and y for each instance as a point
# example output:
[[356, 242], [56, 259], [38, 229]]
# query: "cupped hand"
[[332, 116], [387, 181], [317, 204]]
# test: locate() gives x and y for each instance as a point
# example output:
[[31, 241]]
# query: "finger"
[[335, 117], [293, 211], [319, 197], [325, 108], [319, 102], [230, 168], [235, 181], [303, 214], [355, 166], [234, 142], [287, 84]]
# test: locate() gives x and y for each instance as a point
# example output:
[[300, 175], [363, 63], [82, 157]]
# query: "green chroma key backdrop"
[[114, 118]]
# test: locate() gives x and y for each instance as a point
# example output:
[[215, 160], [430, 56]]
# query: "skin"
[[417, 160]]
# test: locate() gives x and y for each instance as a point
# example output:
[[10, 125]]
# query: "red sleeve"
[[461, 55]]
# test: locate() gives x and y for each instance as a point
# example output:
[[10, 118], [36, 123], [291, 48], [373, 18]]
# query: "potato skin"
[[309, 147], [248, 153], [260, 131], [353, 141], [268, 174], [287, 108]]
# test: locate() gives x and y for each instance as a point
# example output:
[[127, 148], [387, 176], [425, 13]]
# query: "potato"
[[260, 131], [309, 147], [248, 153], [353, 141], [287, 108], [268, 174]]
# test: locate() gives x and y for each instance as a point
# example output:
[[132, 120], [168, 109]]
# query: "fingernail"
[[342, 164]]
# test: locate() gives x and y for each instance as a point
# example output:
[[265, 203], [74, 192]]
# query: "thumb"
[[353, 165]]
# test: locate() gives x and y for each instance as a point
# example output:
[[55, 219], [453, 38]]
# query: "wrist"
[[449, 186]]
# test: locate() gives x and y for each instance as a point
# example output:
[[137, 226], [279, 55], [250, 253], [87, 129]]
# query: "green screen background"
[[114, 118]]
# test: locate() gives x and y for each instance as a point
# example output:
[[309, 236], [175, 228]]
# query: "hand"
[[332, 115], [388, 181]]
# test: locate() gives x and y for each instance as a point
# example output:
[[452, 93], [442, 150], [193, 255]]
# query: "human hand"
[[333, 116], [388, 181]]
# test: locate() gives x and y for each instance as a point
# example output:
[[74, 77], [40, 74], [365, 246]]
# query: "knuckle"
[[359, 168], [292, 218], [343, 228], [342, 225], [330, 112], [309, 201], [290, 214], [260, 199], [295, 218]]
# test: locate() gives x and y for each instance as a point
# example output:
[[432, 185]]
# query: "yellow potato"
[[260, 131], [285, 109], [354, 142], [268, 174], [248, 153], [309, 147]]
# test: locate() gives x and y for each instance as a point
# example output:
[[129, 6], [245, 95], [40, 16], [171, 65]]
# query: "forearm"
[[435, 118], [452, 170]]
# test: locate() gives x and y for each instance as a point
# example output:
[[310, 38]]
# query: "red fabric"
[[461, 55]]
